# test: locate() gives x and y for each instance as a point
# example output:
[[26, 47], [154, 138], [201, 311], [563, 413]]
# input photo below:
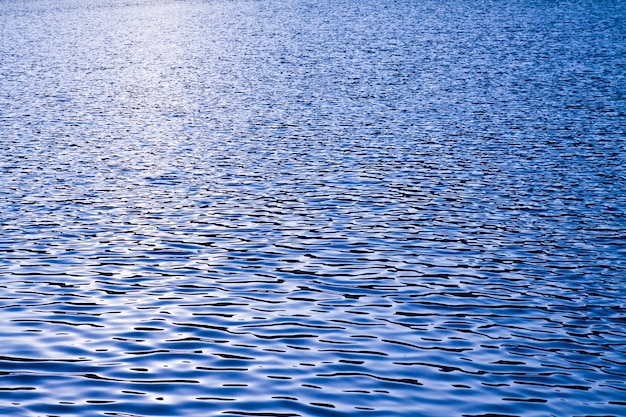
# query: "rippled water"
[[312, 208]]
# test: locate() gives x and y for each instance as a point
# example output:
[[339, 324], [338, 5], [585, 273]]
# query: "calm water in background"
[[312, 208]]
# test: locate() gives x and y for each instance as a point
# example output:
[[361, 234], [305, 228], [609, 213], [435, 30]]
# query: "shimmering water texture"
[[312, 208]]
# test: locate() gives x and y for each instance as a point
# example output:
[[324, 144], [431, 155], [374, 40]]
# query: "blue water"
[[312, 208]]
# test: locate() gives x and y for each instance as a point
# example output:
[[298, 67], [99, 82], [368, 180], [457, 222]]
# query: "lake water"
[[312, 208]]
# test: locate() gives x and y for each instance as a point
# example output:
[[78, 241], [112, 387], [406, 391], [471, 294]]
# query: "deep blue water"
[[312, 208]]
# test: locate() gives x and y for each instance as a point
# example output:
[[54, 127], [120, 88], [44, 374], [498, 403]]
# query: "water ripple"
[[294, 208]]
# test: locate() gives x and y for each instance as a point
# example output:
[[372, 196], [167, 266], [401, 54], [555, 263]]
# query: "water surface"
[[312, 208]]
